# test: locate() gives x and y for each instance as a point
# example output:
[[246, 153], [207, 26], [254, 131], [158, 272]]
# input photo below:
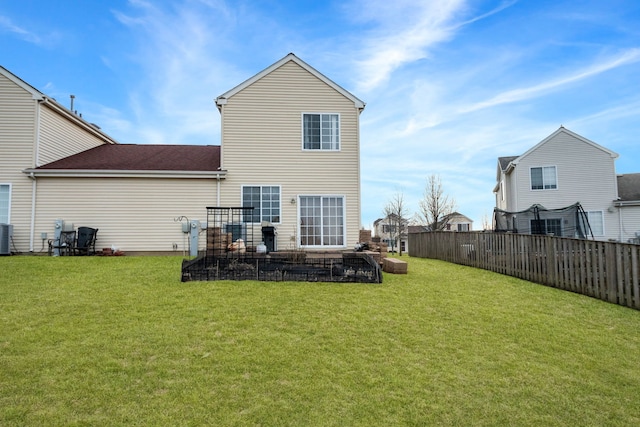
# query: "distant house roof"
[[459, 216], [504, 161], [222, 99], [629, 187], [137, 159]]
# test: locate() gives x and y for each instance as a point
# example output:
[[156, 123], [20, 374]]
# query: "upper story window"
[[463, 227], [544, 178], [321, 131], [5, 203], [265, 199]]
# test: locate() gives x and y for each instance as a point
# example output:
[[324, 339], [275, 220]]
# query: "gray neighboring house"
[[566, 168]]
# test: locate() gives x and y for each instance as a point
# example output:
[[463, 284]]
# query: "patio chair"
[[64, 244], [86, 241]]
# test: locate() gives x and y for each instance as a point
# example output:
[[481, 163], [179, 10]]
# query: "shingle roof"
[[629, 187], [142, 157], [504, 161]]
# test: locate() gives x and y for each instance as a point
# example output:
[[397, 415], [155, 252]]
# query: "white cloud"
[[8, 26], [514, 95]]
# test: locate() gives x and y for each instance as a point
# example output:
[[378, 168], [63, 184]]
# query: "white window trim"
[[321, 150], [542, 167], [344, 223], [604, 233], [9, 205], [261, 185]]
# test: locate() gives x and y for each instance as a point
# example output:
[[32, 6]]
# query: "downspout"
[[620, 223], [33, 210], [218, 191], [34, 187]]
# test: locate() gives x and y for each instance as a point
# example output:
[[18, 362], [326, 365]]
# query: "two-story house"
[[291, 144], [561, 170], [290, 149], [458, 222], [393, 231]]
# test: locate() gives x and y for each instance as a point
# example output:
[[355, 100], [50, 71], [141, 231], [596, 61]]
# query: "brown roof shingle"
[[142, 157]]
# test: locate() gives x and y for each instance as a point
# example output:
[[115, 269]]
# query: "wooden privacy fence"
[[605, 270]]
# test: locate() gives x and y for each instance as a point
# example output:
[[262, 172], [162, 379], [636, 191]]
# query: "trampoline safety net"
[[571, 221]]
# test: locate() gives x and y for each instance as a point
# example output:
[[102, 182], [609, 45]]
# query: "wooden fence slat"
[[609, 271]]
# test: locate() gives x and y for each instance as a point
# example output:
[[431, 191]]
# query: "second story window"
[[321, 131], [544, 178]]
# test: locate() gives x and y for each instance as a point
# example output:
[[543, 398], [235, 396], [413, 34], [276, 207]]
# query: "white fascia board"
[[562, 129], [83, 173], [222, 99]]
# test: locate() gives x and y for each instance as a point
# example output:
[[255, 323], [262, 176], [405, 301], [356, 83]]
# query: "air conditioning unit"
[[6, 231]]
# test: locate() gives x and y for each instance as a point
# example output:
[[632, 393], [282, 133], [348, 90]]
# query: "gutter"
[[114, 173], [69, 115]]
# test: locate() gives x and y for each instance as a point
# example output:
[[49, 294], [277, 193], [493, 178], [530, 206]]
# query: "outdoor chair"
[[86, 242], [63, 245]]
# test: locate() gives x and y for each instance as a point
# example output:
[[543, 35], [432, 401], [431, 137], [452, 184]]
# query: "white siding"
[[60, 138], [17, 135], [134, 214], [585, 174], [630, 222], [262, 144]]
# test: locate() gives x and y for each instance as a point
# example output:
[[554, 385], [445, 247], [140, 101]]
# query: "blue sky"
[[450, 86]]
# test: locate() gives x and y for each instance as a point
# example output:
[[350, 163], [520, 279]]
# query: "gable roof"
[[57, 107], [503, 162], [507, 163], [457, 215], [137, 159], [629, 187], [222, 99], [560, 130]]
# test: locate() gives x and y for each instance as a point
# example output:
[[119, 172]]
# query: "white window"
[[322, 221], [321, 131], [5, 203], [544, 178], [265, 199], [463, 227], [596, 222]]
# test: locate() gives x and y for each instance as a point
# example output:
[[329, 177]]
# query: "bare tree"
[[436, 207], [395, 212]]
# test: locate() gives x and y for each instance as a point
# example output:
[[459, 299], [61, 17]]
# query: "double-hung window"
[[321, 131], [265, 201], [5, 203], [544, 178], [322, 221]]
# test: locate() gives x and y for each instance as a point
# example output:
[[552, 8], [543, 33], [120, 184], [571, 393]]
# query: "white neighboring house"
[[566, 168], [389, 232], [458, 222]]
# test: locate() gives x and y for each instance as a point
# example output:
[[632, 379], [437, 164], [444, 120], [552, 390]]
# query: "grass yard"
[[121, 341]]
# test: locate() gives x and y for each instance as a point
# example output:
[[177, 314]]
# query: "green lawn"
[[121, 341]]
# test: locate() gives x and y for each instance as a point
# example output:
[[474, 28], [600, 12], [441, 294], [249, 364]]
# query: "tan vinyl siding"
[[585, 174], [17, 135], [59, 137], [262, 145], [134, 214]]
